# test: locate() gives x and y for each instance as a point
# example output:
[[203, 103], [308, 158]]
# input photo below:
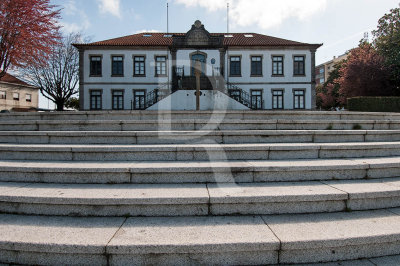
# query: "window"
[[277, 99], [95, 100], [161, 65], [256, 65], [298, 65], [235, 94], [95, 65], [28, 97], [321, 70], [16, 96], [139, 99], [235, 68], [117, 100], [299, 99], [256, 99], [277, 65], [117, 66], [322, 80], [3, 95], [139, 66]]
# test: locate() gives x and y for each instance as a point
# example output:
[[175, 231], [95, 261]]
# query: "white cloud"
[[110, 6], [70, 7], [71, 10], [263, 13]]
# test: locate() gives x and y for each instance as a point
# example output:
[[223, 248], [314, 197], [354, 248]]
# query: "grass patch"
[[330, 127]]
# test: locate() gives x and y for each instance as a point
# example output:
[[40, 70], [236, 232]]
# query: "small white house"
[[155, 71]]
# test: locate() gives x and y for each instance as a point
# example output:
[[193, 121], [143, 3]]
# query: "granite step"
[[198, 152], [206, 137], [215, 114], [197, 124], [197, 199], [158, 172], [223, 240]]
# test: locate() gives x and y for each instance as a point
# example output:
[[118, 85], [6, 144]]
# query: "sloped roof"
[[164, 39], [13, 80]]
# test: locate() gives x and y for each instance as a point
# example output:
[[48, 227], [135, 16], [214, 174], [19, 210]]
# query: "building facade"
[[17, 95], [156, 71], [322, 71]]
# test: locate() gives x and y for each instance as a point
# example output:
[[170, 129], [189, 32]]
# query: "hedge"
[[374, 104]]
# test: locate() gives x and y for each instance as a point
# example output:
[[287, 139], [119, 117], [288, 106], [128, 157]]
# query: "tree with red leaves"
[[28, 31], [364, 73]]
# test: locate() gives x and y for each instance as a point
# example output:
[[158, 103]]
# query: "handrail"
[[244, 97], [157, 95]]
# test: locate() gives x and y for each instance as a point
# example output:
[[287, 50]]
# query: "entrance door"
[[202, 59]]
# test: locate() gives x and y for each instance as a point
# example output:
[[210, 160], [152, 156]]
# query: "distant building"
[[322, 71], [17, 95], [155, 71]]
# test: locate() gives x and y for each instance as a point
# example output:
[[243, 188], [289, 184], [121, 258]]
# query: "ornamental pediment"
[[198, 36]]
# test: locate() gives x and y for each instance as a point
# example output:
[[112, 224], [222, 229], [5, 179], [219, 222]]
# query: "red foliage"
[[364, 74], [28, 31], [327, 97]]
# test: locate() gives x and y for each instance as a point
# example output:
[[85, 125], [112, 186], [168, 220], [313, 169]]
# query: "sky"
[[338, 24]]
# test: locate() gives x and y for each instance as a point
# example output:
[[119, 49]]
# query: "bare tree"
[[57, 78]]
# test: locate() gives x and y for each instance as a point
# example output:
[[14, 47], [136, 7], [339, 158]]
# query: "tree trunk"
[[60, 105]]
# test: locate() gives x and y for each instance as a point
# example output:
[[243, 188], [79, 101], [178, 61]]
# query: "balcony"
[[188, 82]]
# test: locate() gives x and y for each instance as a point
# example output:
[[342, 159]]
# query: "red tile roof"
[[158, 39], [11, 79]]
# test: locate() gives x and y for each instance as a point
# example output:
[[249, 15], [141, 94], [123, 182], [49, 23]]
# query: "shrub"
[[374, 104]]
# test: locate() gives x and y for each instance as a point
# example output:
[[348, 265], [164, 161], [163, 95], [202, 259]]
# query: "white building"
[[155, 71]]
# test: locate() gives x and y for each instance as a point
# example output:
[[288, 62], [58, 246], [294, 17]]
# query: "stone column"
[[221, 78], [81, 80], [222, 53], [313, 84], [174, 76]]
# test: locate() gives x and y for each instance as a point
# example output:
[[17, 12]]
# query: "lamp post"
[[197, 73]]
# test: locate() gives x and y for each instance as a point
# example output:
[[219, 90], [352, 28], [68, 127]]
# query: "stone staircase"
[[190, 188]]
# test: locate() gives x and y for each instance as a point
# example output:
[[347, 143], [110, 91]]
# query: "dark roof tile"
[[158, 39], [11, 79]]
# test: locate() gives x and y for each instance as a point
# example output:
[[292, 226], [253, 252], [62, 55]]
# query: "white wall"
[[288, 94], [107, 94], [267, 82], [267, 65], [128, 66]]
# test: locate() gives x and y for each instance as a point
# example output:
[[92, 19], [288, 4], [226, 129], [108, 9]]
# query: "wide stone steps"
[[205, 137], [196, 124], [199, 188], [163, 172], [197, 152], [234, 240], [205, 115], [198, 199]]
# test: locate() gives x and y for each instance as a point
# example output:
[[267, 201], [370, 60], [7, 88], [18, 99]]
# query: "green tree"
[[387, 43], [72, 103]]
